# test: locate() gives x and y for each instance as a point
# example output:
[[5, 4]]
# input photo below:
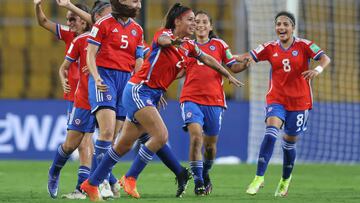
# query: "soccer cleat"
[[91, 190], [283, 187], [182, 180], [53, 185], [207, 184], [199, 190], [116, 190], [105, 190], [76, 194], [255, 185], [129, 186]]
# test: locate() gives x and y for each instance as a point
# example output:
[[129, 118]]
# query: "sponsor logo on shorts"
[[269, 109], [149, 102], [108, 97], [188, 114]]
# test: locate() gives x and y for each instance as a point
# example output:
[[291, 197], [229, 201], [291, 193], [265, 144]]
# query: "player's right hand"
[[37, 2], [100, 86], [63, 3], [66, 86], [176, 42], [236, 82]]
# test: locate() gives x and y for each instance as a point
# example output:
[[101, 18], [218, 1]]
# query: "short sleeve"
[[261, 53], [226, 54], [73, 53], [313, 51], [63, 33], [193, 49], [97, 34]]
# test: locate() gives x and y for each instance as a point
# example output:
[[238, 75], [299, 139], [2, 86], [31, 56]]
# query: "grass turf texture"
[[25, 181]]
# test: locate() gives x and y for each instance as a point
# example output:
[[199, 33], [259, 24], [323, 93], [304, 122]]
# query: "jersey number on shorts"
[[286, 63], [124, 42]]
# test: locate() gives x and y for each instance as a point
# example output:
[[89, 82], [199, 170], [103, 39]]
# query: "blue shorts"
[[82, 120], [294, 121], [138, 96], [209, 117], [116, 81], [69, 107]]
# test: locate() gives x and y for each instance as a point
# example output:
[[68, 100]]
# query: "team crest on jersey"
[[134, 33], [188, 115], [212, 48], [149, 102], [108, 97], [77, 121], [295, 53]]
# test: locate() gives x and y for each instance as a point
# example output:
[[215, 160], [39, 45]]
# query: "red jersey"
[[287, 86], [211, 93], [118, 43], [77, 52], [164, 63], [63, 33]]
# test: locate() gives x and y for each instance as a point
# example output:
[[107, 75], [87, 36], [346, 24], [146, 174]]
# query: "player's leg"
[[63, 153], [295, 125], [169, 159], [212, 125], [275, 115], [193, 123]]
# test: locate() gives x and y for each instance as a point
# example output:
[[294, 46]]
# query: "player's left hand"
[[236, 82], [176, 42], [310, 74], [162, 103], [63, 3]]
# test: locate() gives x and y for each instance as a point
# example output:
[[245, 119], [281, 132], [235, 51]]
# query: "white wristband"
[[319, 69]]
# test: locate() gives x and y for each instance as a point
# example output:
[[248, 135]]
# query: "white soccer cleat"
[[116, 190], [105, 190], [76, 194]]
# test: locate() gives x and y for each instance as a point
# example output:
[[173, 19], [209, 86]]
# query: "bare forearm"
[[164, 41], [43, 21], [212, 63], [138, 64], [324, 61], [82, 14]]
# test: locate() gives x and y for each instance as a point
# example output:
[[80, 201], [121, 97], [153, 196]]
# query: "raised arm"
[[42, 20], [324, 61], [71, 7], [212, 63]]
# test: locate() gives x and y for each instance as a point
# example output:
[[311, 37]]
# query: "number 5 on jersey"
[[124, 41]]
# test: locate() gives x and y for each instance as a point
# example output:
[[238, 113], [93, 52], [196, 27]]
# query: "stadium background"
[[32, 120]]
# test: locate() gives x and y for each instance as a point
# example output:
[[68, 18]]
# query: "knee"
[[68, 148], [163, 137], [107, 133], [210, 147], [196, 139]]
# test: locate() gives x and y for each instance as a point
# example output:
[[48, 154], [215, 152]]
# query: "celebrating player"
[[75, 26], [142, 93], [203, 105], [289, 98]]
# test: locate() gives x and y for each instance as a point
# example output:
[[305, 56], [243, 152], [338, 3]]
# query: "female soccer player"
[[289, 97], [168, 56], [75, 26], [203, 105]]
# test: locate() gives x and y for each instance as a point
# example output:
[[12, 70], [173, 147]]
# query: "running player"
[[203, 105], [75, 26], [168, 56], [289, 98]]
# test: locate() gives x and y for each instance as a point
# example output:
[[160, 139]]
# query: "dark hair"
[[287, 14], [174, 12], [212, 33], [122, 10], [97, 8], [87, 10]]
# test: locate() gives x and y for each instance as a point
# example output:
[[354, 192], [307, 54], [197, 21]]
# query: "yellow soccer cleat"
[[283, 187], [255, 185]]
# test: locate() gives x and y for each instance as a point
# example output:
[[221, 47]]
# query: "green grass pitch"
[[25, 181]]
